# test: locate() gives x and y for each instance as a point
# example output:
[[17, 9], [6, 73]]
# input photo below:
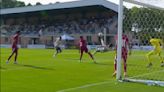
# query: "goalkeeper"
[[156, 43]]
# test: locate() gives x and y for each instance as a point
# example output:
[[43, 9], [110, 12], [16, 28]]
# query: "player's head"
[[100, 34], [81, 37], [18, 32]]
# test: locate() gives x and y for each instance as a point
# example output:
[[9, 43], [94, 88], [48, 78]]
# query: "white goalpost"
[[119, 46], [142, 23]]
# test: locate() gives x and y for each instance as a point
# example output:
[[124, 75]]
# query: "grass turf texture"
[[38, 71]]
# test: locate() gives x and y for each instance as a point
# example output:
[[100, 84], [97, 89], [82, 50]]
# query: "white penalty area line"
[[85, 86], [146, 81], [146, 74]]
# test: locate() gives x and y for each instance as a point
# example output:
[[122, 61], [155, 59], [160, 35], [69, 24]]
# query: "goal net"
[[143, 23]]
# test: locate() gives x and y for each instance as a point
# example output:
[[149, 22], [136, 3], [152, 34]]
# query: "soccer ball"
[[100, 34]]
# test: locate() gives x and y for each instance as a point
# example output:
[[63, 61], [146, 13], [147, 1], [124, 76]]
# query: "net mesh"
[[143, 25]]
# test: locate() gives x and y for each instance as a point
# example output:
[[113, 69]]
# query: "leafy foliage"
[[11, 4], [147, 23]]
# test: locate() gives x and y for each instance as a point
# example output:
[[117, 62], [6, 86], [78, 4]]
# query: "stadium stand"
[[75, 18]]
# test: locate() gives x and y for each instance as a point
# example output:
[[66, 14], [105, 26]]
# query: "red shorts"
[[124, 53], [82, 49], [14, 48]]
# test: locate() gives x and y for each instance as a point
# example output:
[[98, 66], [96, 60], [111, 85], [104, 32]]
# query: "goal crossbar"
[[144, 4]]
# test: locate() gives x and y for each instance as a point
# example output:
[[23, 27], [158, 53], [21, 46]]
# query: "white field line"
[[146, 74], [101, 83], [85, 86]]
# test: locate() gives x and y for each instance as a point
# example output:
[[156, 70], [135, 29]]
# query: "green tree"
[[29, 4], [11, 4], [148, 21], [38, 3], [20, 4]]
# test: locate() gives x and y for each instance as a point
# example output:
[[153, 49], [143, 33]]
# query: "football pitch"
[[38, 71]]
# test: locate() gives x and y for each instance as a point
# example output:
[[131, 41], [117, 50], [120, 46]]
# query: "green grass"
[[38, 71]]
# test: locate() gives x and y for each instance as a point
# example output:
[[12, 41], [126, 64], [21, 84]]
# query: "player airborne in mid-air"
[[57, 44], [156, 51], [83, 47], [103, 47], [15, 39], [125, 50]]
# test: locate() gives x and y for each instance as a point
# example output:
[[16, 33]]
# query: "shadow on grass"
[[73, 59], [2, 68], [38, 67], [104, 64]]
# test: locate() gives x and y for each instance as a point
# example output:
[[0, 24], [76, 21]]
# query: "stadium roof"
[[74, 4]]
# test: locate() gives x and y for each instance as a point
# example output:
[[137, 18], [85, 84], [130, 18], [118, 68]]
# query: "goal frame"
[[119, 46]]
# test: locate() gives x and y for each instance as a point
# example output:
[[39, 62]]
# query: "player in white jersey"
[[103, 47], [57, 44]]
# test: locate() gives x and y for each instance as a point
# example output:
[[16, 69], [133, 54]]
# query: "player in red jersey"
[[125, 49], [83, 47], [14, 47]]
